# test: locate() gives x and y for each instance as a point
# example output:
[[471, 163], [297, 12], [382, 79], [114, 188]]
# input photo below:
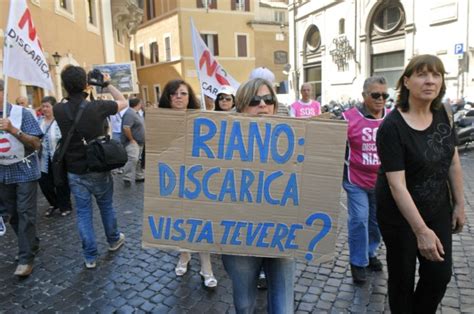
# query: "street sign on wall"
[[459, 50]]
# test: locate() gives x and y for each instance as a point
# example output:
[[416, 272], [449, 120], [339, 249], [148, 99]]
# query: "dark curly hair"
[[49, 99], [418, 63], [74, 79], [170, 88]]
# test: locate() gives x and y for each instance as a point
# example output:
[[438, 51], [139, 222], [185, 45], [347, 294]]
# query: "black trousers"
[[18, 201], [402, 253], [58, 197]]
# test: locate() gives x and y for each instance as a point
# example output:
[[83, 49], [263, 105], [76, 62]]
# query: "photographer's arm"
[[118, 97]]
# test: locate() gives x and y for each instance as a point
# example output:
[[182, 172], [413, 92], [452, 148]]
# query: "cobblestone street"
[[143, 280]]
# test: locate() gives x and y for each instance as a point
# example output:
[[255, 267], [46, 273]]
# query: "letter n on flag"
[[23, 54], [211, 75]]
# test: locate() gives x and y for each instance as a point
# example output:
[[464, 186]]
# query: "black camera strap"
[[64, 147]]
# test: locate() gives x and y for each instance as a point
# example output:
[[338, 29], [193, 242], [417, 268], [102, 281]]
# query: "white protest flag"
[[211, 75], [23, 54]]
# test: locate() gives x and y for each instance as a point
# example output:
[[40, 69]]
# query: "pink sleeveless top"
[[362, 161], [306, 111]]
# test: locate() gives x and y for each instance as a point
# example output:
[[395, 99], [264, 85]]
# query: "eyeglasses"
[[176, 94], [267, 99], [377, 95], [226, 98]]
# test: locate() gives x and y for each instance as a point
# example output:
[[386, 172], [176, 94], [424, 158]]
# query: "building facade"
[[239, 39], [78, 32], [336, 44]]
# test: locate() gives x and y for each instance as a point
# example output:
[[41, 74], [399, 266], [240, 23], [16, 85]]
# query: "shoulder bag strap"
[[71, 130], [449, 112]]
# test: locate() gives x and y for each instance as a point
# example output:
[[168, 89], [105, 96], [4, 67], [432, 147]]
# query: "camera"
[[95, 77]]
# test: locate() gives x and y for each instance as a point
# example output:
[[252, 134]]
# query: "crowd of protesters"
[[402, 186]]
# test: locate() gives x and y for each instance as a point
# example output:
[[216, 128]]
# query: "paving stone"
[[136, 280]]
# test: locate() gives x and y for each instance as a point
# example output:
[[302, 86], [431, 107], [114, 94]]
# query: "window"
[[34, 95], [142, 55], [119, 35], [389, 18], [242, 46], [342, 26], [208, 4], [157, 93], [280, 57], [313, 39], [279, 17], [168, 48], [65, 5], [390, 65], [154, 58], [91, 12], [150, 9], [65, 8], [212, 43], [132, 55], [240, 5], [145, 93], [312, 75]]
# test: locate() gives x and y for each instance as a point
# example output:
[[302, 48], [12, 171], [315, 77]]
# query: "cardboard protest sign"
[[236, 184]]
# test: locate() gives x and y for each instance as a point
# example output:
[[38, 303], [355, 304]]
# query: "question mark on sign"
[[325, 230]]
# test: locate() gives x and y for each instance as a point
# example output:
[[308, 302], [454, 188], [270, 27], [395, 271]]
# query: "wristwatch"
[[19, 133]]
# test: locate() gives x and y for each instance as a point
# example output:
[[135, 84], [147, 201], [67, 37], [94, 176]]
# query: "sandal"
[[208, 280], [181, 268], [50, 211]]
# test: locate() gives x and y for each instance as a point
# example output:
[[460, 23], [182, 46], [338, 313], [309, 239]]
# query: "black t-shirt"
[[90, 126], [424, 155]]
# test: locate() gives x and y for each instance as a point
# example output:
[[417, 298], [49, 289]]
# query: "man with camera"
[[85, 183]]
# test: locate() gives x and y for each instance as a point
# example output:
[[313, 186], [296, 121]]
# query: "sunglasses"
[[227, 98], [176, 94], [377, 95], [267, 99]]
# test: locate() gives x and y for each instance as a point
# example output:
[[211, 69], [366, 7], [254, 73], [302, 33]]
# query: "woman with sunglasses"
[[360, 174], [420, 198], [179, 95], [225, 100], [257, 97]]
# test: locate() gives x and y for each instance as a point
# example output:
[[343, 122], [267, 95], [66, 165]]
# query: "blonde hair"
[[249, 89]]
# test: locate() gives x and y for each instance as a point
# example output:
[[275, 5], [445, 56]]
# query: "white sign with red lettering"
[[211, 75], [24, 58]]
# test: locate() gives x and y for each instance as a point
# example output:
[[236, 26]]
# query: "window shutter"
[[199, 4], [216, 45], [247, 5], [232, 5], [213, 4]]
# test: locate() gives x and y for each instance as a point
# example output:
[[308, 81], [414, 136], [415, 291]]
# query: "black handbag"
[[105, 154], [58, 164]]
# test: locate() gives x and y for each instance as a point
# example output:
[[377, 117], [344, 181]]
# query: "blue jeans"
[[101, 186], [244, 271], [362, 226]]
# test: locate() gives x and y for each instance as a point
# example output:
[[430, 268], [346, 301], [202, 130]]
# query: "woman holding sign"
[[257, 97], [420, 198], [179, 95]]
